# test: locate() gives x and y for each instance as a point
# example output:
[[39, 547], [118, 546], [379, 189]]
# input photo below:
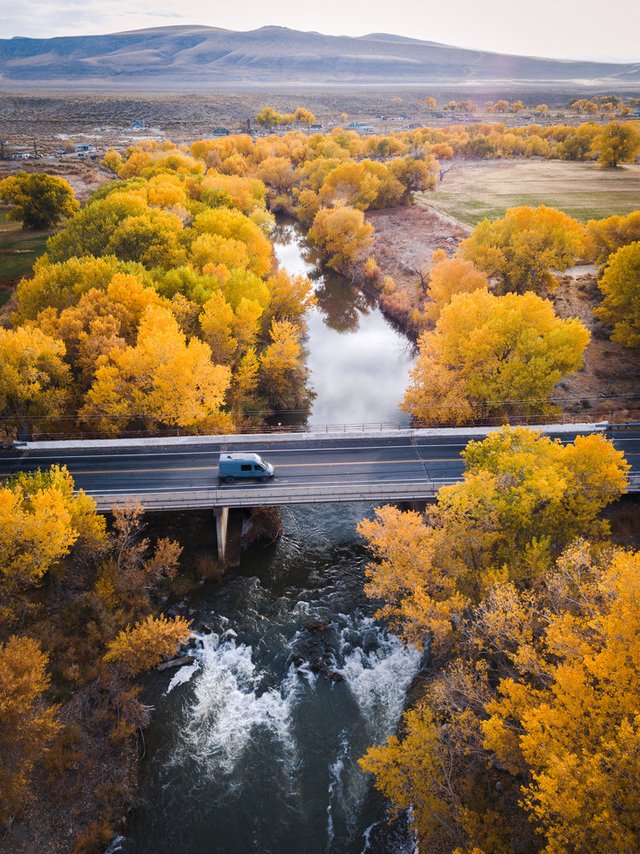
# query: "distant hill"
[[193, 57]]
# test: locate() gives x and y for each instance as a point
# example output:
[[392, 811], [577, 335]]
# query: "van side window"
[[245, 467], [257, 468]]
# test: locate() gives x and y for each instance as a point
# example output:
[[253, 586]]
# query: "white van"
[[233, 467]]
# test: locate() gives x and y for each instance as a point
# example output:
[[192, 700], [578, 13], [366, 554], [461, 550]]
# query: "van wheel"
[[228, 480]]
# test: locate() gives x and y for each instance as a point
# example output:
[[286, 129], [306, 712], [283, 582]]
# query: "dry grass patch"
[[472, 191]]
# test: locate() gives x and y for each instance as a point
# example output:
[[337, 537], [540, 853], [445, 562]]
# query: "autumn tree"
[[493, 354], [616, 142], [304, 116], [620, 284], [162, 379], [447, 277], [569, 723], [268, 117], [89, 231], [342, 236], [59, 285], [523, 498], [281, 374], [34, 379], [42, 518], [27, 722], [234, 225], [521, 249], [37, 200], [605, 236], [415, 774], [145, 644]]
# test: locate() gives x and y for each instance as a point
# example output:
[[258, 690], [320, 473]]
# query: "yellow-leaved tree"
[[524, 497], [144, 645], [448, 277], [27, 722], [163, 379], [41, 518], [520, 249], [620, 284], [38, 200], [342, 235], [605, 236], [571, 730], [616, 142], [493, 356], [34, 380]]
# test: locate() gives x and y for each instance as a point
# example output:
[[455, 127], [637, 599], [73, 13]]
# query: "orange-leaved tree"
[[144, 645], [27, 722]]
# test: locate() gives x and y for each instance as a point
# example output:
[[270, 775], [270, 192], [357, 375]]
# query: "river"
[[254, 747]]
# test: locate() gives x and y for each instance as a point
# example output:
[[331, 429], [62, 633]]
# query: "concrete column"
[[222, 519]]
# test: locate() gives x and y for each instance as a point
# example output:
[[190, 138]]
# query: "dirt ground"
[[611, 372]]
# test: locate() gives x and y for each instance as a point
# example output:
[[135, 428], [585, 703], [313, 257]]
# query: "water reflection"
[[359, 364]]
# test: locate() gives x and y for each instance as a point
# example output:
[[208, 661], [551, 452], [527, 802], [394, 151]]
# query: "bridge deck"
[[182, 473]]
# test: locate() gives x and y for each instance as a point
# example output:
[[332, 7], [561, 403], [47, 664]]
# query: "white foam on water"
[[336, 791], [229, 706], [379, 678], [181, 676]]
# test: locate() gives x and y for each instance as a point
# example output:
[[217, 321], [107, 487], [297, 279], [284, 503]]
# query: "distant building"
[[81, 148], [220, 132], [138, 124]]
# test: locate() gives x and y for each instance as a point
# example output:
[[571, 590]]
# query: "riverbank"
[[406, 237]]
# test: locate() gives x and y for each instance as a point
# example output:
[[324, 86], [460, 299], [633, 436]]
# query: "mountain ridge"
[[195, 55]]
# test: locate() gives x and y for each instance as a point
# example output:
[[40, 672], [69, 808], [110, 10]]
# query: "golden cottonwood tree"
[[41, 518], [524, 497], [574, 735], [162, 379], [61, 285], [450, 276], [616, 142], [414, 773], [342, 236], [27, 722], [38, 200], [620, 284], [144, 645], [34, 379], [520, 249], [234, 225], [503, 354], [280, 371], [605, 236]]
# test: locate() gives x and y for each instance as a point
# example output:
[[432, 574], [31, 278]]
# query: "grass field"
[[18, 251], [471, 192]]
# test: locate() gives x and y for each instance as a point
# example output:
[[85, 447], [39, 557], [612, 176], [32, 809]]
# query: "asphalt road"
[[306, 469]]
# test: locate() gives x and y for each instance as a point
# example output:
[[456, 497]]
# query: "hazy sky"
[[586, 29]]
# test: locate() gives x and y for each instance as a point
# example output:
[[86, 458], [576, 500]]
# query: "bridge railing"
[[264, 496], [612, 413]]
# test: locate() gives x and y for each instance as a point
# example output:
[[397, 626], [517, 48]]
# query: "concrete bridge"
[[182, 472]]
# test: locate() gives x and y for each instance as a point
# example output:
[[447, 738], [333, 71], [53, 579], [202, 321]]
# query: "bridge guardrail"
[[271, 497]]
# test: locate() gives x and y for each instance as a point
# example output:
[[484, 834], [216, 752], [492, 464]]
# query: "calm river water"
[[254, 747]]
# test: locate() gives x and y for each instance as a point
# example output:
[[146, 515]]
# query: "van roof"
[[253, 457]]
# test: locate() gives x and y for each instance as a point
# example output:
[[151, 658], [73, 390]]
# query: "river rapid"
[[254, 747]]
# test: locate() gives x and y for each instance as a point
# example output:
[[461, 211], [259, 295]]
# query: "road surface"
[[403, 465]]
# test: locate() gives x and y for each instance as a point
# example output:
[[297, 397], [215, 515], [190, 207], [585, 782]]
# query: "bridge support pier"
[[222, 521]]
